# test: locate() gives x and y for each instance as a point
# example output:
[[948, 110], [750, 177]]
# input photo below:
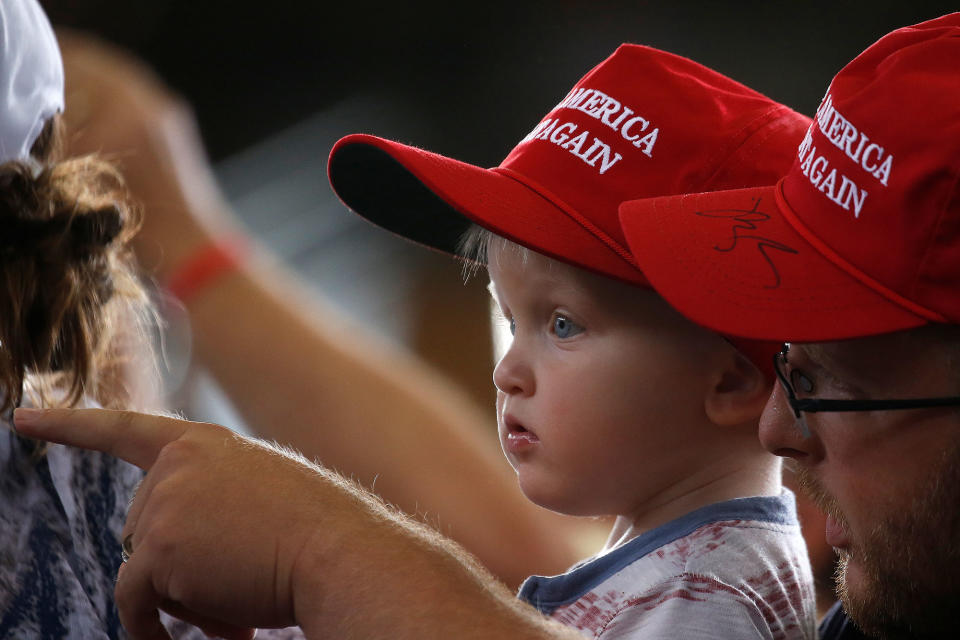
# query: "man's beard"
[[909, 561]]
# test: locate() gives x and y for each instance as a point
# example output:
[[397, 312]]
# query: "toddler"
[[609, 401]]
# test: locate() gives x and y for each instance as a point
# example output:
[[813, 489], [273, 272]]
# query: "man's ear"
[[740, 392]]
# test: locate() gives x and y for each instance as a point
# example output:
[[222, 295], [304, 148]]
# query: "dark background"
[[481, 74]]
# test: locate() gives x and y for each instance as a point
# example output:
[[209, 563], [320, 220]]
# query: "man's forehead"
[[879, 357]]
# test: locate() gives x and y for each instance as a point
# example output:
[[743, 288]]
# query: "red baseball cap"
[[862, 234], [642, 123]]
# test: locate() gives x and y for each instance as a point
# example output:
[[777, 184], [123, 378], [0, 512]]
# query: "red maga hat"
[[642, 123], [860, 237]]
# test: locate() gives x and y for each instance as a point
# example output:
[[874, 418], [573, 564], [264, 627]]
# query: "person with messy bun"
[[73, 323], [68, 283], [76, 328]]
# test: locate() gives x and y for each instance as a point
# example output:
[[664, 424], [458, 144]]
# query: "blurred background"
[[275, 84]]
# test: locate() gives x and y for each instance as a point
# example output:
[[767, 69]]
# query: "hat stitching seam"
[[741, 297], [750, 305], [832, 256], [723, 155], [941, 216], [570, 212], [731, 278], [763, 135], [737, 291]]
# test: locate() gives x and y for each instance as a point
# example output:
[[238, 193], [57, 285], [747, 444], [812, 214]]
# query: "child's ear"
[[740, 392]]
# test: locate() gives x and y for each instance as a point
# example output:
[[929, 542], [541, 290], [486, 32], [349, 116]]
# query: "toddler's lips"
[[518, 438], [522, 436]]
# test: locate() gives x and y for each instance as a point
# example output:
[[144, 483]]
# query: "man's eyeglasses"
[[795, 378]]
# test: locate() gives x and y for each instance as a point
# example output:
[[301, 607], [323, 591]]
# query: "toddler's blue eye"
[[513, 327], [564, 327]]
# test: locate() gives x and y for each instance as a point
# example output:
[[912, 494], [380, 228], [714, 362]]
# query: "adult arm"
[[299, 372], [232, 534]]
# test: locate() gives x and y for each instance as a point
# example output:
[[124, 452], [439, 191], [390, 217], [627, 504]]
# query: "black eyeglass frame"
[[817, 405]]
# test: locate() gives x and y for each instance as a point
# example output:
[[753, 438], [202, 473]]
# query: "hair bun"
[[73, 306], [95, 229], [84, 234]]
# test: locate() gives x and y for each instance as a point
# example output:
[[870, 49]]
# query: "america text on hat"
[[599, 105], [606, 109], [817, 169], [856, 144], [563, 136]]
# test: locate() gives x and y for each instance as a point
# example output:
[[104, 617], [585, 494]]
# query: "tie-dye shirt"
[[61, 513], [735, 569]]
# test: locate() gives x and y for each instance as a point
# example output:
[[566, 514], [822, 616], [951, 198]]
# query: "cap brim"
[[734, 262], [432, 200]]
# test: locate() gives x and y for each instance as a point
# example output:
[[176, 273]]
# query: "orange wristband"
[[205, 265]]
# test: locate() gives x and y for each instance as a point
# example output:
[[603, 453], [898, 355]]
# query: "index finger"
[[134, 437]]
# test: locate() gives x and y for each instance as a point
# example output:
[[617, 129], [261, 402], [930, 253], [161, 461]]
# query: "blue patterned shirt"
[[61, 513]]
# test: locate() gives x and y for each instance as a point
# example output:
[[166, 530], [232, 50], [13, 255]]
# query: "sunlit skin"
[[607, 399], [888, 479]]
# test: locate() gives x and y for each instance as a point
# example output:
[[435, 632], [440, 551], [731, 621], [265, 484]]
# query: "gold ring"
[[126, 548]]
